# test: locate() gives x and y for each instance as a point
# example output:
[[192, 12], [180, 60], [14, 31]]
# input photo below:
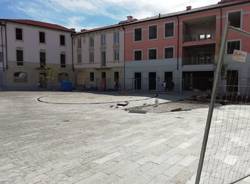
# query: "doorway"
[[232, 81], [103, 84], [42, 80], [198, 80], [152, 80], [137, 81], [168, 78], [116, 80]]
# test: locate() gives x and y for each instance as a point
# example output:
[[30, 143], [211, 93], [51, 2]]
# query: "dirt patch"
[[184, 105]]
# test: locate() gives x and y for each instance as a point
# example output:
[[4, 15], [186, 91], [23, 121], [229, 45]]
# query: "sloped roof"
[[39, 24], [221, 4]]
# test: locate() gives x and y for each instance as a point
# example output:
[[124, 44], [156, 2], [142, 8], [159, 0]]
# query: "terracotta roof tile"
[[39, 24]]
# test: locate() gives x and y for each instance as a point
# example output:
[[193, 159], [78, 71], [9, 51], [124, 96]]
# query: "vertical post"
[[212, 102]]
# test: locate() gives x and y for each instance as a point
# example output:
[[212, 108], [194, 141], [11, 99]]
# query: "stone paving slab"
[[77, 143]]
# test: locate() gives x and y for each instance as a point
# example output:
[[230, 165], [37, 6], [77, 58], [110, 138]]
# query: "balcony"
[[199, 31], [199, 37], [199, 60], [199, 55], [103, 64]]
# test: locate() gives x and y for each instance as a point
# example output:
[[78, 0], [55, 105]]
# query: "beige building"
[[34, 55], [99, 58]]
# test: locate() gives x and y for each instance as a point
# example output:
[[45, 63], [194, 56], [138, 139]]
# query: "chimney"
[[129, 18], [188, 8], [83, 30], [73, 29]]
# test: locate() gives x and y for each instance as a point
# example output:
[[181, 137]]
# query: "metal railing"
[[199, 60], [198, 37]]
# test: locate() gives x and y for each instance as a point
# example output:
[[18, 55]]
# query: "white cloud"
[[80, 13], [138, 8], [75, 22]]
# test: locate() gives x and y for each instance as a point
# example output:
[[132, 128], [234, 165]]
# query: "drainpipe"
[[72, 53], [179, 68], [2, 43], [6, 46], [124, 68]]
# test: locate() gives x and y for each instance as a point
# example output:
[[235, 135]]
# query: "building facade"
[[169, 52], [151, 54], [178, 51], [34, 55], [99, 58]]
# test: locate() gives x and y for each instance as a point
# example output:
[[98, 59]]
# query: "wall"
[[31, 49]]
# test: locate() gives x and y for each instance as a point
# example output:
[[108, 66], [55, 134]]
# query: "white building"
[[99, 58], [34, 54]]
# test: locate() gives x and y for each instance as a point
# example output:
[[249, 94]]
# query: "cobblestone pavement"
[[94, 143]]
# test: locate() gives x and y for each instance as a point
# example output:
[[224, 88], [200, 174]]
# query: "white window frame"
[[116, 37], [90, 38], [103, 39], [79, 54], [44, 37], [236, 40], [156, 54], [115, 52], [22, 34], [157, 32], [241, 14], [167, 22], [141, 54], [172, 46], [136, 41]]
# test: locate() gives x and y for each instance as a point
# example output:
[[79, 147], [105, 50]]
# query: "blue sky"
[[89, 14]]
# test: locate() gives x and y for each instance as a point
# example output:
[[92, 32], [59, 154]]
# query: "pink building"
[[180, 49]]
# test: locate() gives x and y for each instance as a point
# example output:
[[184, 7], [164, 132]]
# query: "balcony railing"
[[198, 37], [199, 60], [103, 63]]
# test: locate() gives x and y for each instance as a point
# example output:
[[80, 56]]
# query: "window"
[[42, 59], [152, 54], [234, 19], [103, 58], [232, 45], [1, 57], [79, 58], [138, 34], [138, 55], [79, 43], [62, 40], [91, 42], [202, 36], [91, 57], [169, 29], [63, 60], [103, 39], [19, 34], [19, 57], [42, 37], [169, 52], [116, 55], [116, 38], [116, 76], [21, 77], [152, 32], [91, 76]]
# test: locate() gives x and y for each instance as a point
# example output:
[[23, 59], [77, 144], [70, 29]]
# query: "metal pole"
[[212, 103], [239, 30]]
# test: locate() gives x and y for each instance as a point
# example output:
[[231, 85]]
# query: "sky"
[[88, 14]]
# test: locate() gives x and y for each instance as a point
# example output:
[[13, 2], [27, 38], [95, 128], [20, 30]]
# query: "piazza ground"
[[84, 138]]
